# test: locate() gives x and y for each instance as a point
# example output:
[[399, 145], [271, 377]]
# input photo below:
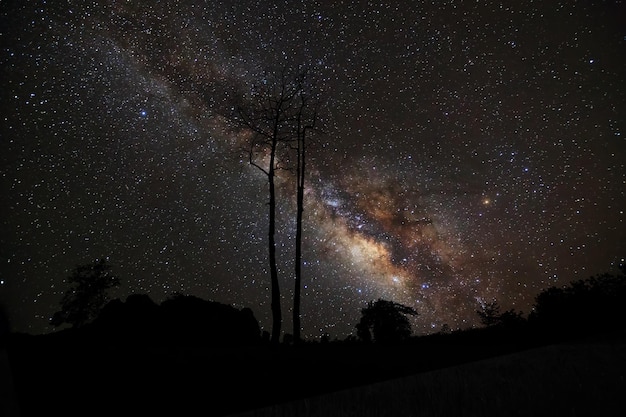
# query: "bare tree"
[[306, 121], [280, 115], [269, 118]]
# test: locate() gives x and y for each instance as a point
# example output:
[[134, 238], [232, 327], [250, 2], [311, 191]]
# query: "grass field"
[[563, 380]]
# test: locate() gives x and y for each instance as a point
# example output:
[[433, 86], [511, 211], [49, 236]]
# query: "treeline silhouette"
[[592, 306], [187, 354], [179, 320], [589, 308], [582, 309]]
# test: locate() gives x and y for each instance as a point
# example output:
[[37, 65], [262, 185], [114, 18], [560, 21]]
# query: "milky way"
[[473, 151]]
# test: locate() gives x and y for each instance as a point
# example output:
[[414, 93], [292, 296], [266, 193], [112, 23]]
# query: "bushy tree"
[[385, 322], [593, 305], [489, 313], [84, 300]]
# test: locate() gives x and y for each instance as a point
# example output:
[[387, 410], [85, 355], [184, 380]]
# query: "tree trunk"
[[272, 121], [276, 310], [298, 260]]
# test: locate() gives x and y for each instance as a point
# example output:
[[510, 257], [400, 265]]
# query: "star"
[[470, 151]]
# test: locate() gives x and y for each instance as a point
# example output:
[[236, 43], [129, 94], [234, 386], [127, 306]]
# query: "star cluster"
[[474, 150]]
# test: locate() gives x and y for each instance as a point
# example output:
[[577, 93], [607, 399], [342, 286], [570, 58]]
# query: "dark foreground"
[[55, 376], [565, 380]]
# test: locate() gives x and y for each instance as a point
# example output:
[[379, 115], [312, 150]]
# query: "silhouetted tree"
[[138, 318], [384, 322], [267, 117], [84, 300], [306, 121], [192, 319], [490, 315], [179, 320], [511, 319], [593, 305], [280, 111]]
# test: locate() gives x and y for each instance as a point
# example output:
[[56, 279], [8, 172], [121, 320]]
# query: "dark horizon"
[[188, 355]]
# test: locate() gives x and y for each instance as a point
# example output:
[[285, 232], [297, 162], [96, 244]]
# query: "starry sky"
[[474, 150]]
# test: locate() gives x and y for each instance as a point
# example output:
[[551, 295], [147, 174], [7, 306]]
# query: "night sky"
[[474, 150]]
